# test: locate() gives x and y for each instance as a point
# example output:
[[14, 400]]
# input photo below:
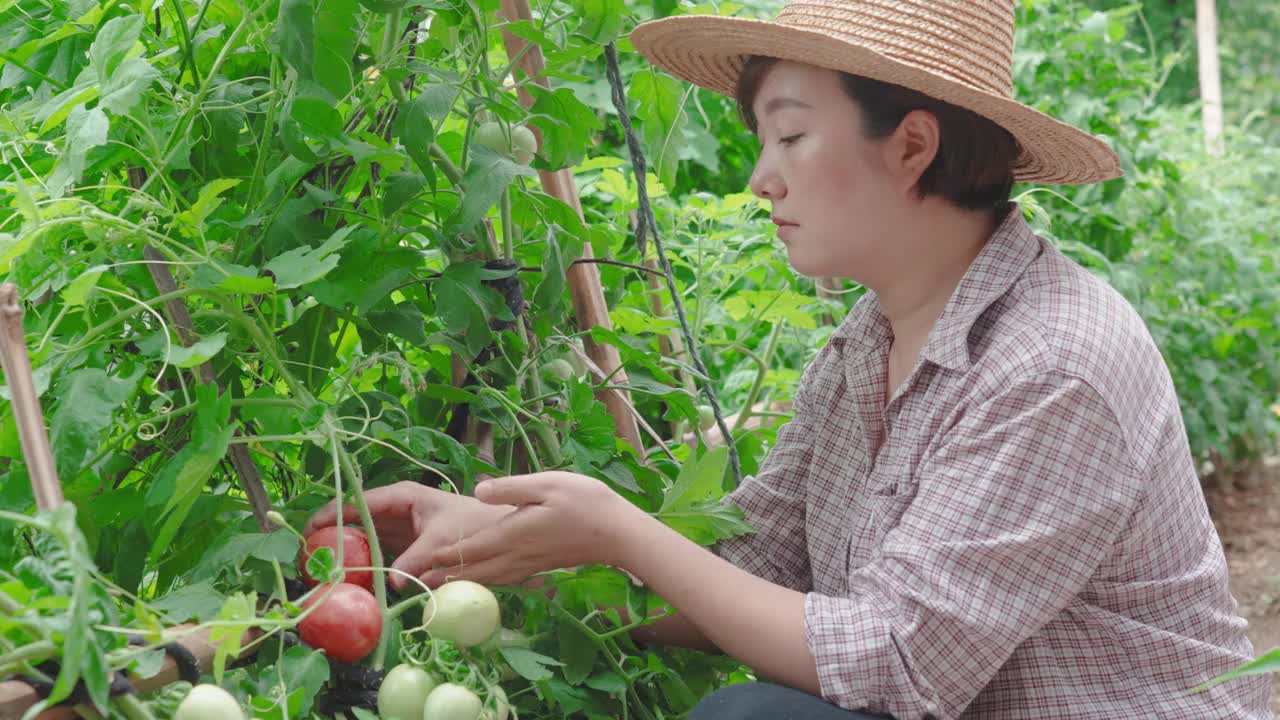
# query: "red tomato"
[[346, 625], [355, 553]]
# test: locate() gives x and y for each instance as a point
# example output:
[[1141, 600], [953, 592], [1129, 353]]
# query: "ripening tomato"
[[346, 624], [403, 692], [355, 553], [208, 702], [451, 701], [463, 612]]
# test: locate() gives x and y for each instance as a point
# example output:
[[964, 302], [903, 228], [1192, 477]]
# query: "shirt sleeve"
[[773, 502], [1017, 507]]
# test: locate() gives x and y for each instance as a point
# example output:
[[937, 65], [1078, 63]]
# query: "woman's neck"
[[937, 246]]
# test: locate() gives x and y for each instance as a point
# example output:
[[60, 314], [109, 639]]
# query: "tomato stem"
[[375, 548], [35, 652], [133, 708]]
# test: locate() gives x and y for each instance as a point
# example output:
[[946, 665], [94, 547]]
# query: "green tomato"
[[706, 417], [451, 701], [403, 693], [462, 612], [520, 146], [208, 702], [525, 144], [560, 368], [491, 135]]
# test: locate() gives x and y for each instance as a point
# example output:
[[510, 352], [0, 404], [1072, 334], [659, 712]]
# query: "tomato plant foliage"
[[262, 246]]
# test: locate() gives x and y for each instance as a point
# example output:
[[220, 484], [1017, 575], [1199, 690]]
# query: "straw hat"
[[958, 51]]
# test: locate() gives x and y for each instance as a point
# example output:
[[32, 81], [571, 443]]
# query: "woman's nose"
[[766, 183]]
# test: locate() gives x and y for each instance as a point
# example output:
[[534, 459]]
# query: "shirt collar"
[[999, 264]]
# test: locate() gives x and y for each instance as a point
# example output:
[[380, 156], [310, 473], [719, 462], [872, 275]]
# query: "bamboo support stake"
[[26, 404], [584, 278]]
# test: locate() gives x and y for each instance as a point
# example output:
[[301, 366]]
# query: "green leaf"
[[592, 441], [707, 522], [199, 601], [466, 305], [86, 129], [149, 664], [237, 616], [317, 117], [303, 265], [86, 400], [399, 189], [425, 442], [487, 175], [179, 483], [77, 293], [660, 98], [199, 352], [220, 275], [337, 25], [578, 651], [772, 306], [566, 123], [124, 88], [307, 671], [191, 221], [231, 552], [1266, 664], [295, 36], [698, 481], [608, 682], [113, 44], [548, 297], [528, 664], [416, 132], [322, 564], [370, 268], [602, 20]]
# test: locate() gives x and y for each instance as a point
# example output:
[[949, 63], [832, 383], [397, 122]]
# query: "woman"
[[985, 505]]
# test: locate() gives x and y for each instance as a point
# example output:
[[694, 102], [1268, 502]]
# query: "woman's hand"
[[414, 521], [562, 520]]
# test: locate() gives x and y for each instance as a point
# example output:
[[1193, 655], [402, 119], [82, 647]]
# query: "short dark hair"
[[974, 165]]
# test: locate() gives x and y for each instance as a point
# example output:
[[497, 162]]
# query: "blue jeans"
[[766, 701]]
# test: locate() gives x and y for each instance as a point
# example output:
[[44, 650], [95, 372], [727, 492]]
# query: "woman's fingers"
[[390, 500], [516, 489], [503, 537], [415, 560], [503, 570]]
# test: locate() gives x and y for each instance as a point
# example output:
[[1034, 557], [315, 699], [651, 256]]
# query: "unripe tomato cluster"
[[520, 146]]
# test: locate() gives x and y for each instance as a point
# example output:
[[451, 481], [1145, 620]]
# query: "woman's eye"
[[790, 139]]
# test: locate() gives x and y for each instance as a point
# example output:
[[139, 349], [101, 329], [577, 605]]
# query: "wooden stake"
[[1210, 77], [25, 402], [584, 278]]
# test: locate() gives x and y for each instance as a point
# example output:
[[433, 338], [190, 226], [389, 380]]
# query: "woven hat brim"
[[709, 51]]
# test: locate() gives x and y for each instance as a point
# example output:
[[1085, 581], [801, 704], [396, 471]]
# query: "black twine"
[[648, 225]]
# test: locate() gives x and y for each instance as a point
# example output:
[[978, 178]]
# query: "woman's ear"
[[911, 148]]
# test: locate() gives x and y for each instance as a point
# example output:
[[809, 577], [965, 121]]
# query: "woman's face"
[[828, 184]]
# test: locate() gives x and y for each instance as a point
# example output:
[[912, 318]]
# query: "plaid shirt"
[[1020, 533]]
